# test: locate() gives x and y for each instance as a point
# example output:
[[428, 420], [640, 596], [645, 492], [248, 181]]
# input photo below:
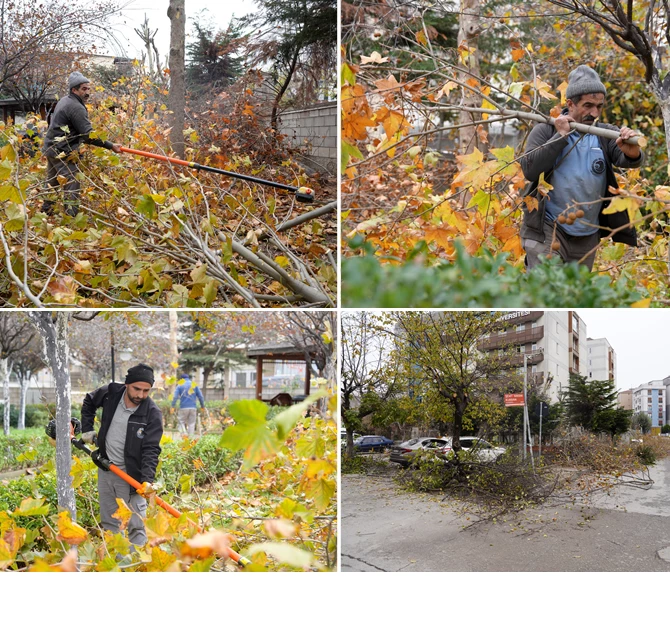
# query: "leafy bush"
[[646, 455], [665, 428], [20, 449], [360, 465], [478, 281]]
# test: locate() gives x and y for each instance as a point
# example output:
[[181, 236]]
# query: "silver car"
[[484, 451], [404, 453]]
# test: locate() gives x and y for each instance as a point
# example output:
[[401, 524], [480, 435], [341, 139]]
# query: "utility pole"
[[527, 436]]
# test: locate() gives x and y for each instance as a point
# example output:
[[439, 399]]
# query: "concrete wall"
[[315, 129]]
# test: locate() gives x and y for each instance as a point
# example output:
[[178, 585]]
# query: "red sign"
[[513, 400]]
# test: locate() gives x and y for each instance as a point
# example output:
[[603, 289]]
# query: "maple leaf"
[[68, 531], [123, 513]]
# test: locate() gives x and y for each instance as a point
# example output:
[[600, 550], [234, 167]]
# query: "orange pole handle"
[[236, 557], [156, 156]]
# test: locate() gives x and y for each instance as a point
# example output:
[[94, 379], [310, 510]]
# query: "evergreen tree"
[[585, 400]]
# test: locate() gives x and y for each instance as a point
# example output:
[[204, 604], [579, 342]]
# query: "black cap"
[[140, 373]]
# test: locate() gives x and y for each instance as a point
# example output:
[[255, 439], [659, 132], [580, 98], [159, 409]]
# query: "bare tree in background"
[[27, 363], [14, 336]]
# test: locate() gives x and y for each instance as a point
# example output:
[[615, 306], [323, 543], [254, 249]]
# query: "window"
[[535, 369], [558, 349], [534, 347], [521, 327], [556, 327]]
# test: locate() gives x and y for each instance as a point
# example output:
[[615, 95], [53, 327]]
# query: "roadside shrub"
[[478, 281], [362, 465], [646, 455], [665, 429]]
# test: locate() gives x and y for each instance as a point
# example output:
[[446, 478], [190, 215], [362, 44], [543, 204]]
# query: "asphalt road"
[[386, 529]]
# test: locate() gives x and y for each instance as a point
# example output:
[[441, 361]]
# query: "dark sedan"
[[371, 443]]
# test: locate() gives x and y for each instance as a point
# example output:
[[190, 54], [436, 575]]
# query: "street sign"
[[542, 409], [513, 400]]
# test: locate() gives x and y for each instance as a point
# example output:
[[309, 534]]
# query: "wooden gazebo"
[[285, 352]]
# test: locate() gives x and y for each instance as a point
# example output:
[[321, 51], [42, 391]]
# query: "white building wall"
[[651, 398], [599, 351], [556, 342]]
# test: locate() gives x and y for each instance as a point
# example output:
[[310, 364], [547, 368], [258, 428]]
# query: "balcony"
[[515, 338], [535, 357]]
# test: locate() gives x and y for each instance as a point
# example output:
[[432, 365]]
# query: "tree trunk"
[[24, 380], [177, 96], [663, 97], [4, 376], [468, 34], [53, 328], [282, 91]]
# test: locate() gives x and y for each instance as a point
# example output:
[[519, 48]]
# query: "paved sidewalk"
[[386, 529]]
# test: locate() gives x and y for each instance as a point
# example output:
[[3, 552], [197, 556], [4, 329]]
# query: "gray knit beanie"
[[76, 79], [584, 80]]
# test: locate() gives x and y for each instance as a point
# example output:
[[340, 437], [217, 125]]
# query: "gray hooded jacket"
[[69, 128]]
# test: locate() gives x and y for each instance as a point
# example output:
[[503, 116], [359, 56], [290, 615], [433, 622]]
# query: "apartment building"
[[651, 398], [626, 399], [601, 360], [555, 343]]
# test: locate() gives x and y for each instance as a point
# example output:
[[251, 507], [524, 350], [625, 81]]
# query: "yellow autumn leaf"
[[210, 543], [68, 531], [123, 514], [641, 303]]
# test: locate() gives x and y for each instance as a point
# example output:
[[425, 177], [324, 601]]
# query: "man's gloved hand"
[[90, 437], [146, 490]]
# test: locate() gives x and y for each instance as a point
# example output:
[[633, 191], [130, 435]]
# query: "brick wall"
[[314, 128]]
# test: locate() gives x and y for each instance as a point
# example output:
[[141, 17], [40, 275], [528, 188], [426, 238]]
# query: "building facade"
[[651, 398], [601, 360], [554, 342]]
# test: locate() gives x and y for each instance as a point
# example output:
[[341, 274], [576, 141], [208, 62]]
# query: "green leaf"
[[6, 168], [348, 75], [347, 152], [209, 292], [250, 432], [31, 507], [199, 274], [8, 192], [286, 420], [146, 206], [309, 447], [285, 554]]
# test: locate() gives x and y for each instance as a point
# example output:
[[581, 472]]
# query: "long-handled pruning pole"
[[104, 464], [302, 193]]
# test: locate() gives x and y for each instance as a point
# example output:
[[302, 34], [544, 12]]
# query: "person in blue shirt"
[[187, 394], [570, 221]]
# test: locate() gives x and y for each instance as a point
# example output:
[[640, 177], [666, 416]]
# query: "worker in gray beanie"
[[569, 221], [69, 128], [131, 427]]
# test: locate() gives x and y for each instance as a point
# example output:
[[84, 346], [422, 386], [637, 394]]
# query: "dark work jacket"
[[143, 437], [543, 149], [70, 113]]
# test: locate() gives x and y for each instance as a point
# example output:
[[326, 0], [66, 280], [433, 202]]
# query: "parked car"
[[343, 438], [371, 443], [405, 452], [483, 451]]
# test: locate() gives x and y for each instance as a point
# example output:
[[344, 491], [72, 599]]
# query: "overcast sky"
[[640, 337], [220, 12]]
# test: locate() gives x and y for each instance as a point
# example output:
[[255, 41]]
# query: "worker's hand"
[[562, 125], [631, 151], [90, 437], [146, 490], [116, 148]]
